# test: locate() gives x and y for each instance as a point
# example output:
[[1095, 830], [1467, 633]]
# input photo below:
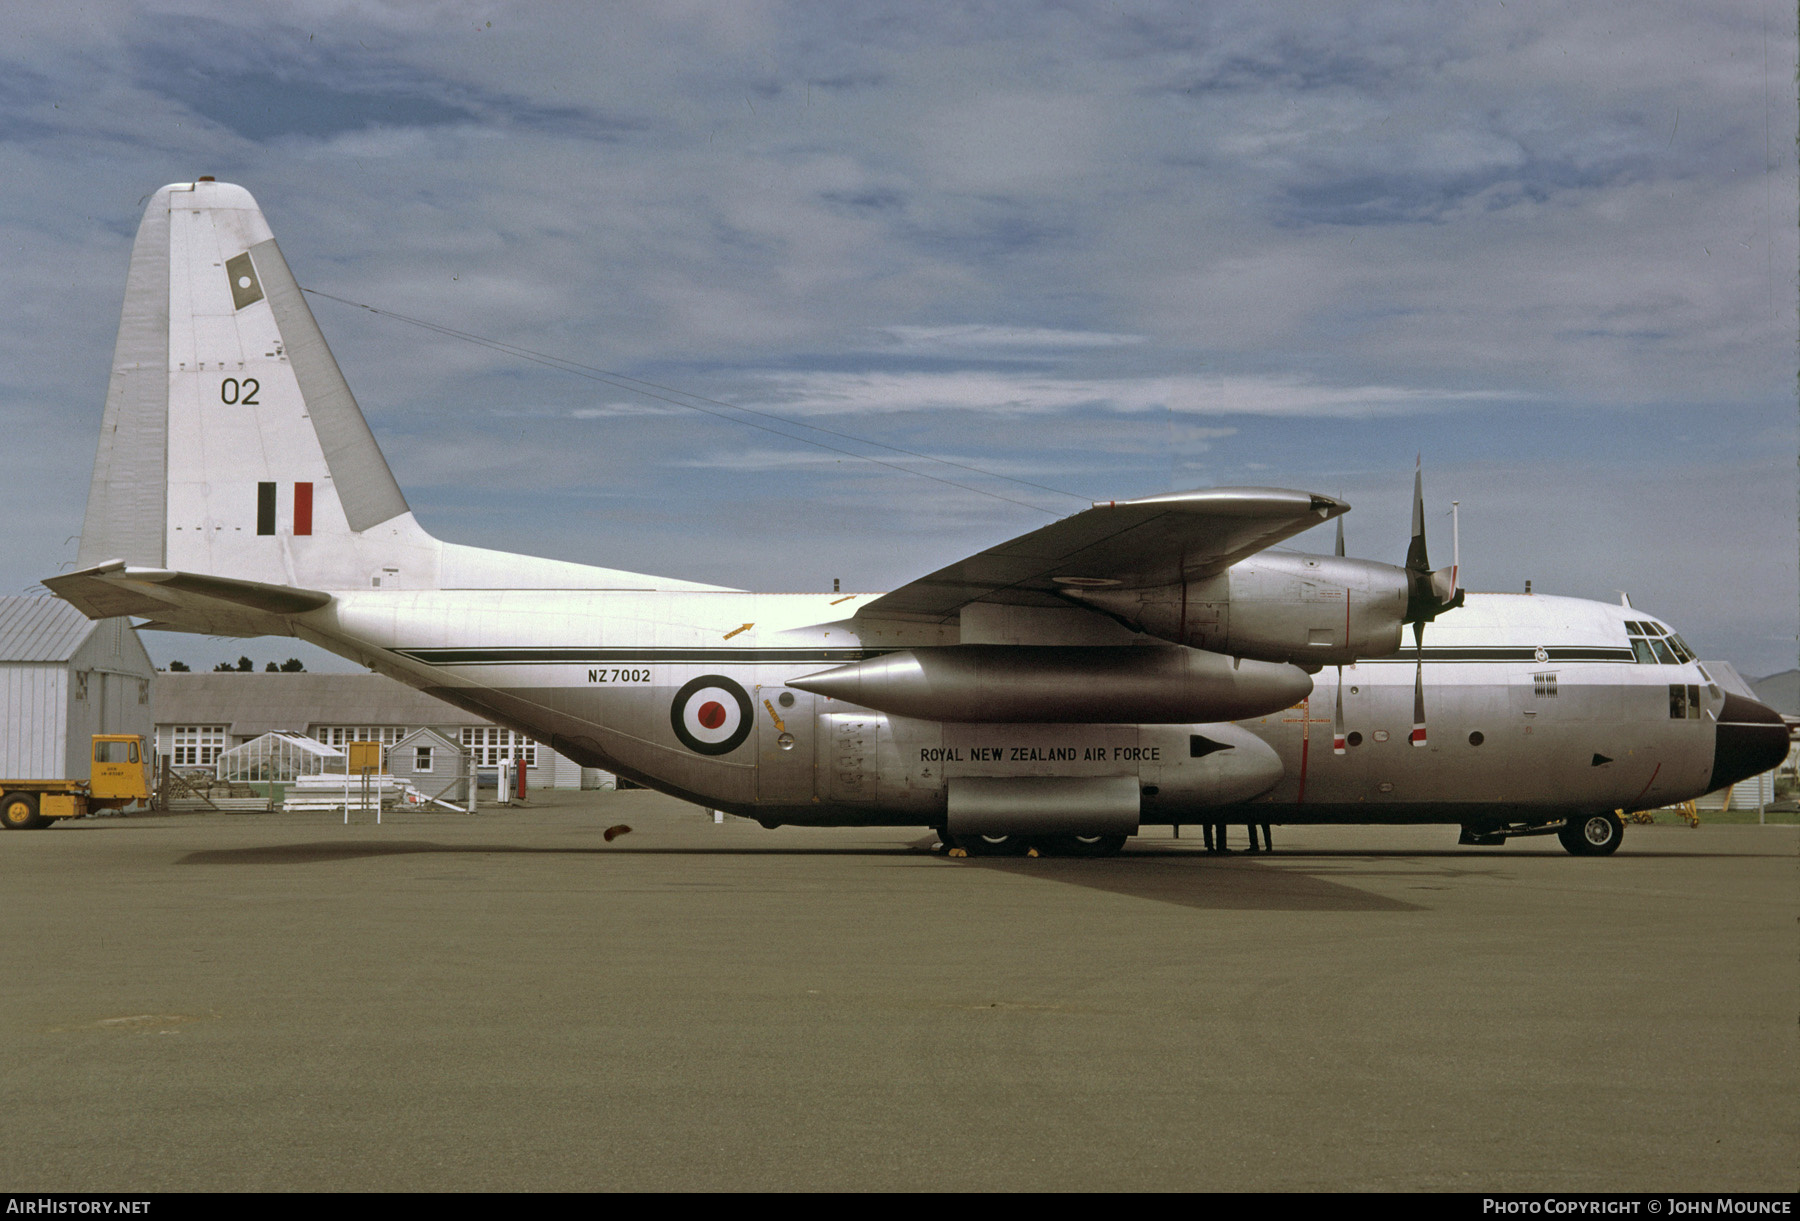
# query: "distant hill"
[[1780, 692]]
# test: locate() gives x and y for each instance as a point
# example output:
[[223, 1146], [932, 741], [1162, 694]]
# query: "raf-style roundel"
[[711, 715]]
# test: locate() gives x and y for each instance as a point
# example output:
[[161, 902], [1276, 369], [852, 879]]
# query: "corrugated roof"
[[259, 702], [40, 629]]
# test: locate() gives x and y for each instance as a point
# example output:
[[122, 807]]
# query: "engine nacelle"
[[1312, 610], [1133, 684]]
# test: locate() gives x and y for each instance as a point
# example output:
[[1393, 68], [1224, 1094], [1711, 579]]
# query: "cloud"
[[979, 390], [982, 336], [1106, 250]]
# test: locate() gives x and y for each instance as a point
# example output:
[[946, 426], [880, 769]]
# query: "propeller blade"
[[1428, 593], [1418, 729], [1337, 711], [1416, 559]]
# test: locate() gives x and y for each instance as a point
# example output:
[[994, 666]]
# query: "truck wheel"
[[1593, 834], [19, 812]]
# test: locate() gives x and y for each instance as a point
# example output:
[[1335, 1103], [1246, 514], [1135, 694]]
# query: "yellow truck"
[[121, 776]]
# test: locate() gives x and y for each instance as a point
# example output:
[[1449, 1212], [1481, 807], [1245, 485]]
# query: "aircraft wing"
[[185, 601], [1153, 541]]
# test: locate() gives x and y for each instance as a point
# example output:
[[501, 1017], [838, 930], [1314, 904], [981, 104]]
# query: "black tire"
[[993, 845], [1592, 834], [1087, 845], [19, 812]]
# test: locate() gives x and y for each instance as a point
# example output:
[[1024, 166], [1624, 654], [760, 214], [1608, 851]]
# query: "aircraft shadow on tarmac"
[[1185, 879], [1188, 882]]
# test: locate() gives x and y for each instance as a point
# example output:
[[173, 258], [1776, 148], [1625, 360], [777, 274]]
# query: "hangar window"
[[421, 758], [490, 744], [196, 745]]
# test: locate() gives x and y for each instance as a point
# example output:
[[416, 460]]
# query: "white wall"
[[33, 720]]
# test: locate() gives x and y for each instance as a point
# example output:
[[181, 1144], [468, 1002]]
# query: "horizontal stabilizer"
[[185, 601]]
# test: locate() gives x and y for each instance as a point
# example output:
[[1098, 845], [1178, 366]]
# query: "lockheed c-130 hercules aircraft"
[[1142, 662]]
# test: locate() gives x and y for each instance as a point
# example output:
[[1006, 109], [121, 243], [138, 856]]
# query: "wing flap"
[[1150, 541]]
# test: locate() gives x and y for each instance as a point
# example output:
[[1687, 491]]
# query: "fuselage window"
[[1684, 701]]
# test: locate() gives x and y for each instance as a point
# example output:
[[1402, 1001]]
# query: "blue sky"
[[1102, 249]]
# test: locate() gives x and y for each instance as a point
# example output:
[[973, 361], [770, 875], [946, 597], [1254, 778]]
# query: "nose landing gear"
[[1592, 834]]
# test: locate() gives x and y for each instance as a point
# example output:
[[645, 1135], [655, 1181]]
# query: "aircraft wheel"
[[19, 812], [993, 845], [1593, 834], [1088, 845]]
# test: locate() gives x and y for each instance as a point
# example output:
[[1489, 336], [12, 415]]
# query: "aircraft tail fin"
[[231, 444]]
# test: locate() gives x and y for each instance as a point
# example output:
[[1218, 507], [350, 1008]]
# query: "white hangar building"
[[64, 678], [199, 716]]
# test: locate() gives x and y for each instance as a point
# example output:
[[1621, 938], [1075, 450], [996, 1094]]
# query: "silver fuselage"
[[1536, 704]]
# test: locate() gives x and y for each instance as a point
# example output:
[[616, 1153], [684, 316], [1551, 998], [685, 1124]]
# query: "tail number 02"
[[232, 392]]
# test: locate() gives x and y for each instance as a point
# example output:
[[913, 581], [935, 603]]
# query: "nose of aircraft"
[[1752, 738]]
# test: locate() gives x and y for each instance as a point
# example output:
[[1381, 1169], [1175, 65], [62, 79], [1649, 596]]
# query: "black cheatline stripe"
[[1504, 653], [502, 657], [530, 656]]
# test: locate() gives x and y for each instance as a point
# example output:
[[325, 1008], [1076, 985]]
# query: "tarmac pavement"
[[507, 1001]]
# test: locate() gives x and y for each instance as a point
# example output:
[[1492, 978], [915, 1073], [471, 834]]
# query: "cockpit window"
[[1654, 643]]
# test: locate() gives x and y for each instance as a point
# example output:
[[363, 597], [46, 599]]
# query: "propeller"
[[1338, 743], [1429, 594], [1337, 711]]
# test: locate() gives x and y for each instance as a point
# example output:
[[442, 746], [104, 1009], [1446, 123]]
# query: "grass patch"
[[1728, 818]]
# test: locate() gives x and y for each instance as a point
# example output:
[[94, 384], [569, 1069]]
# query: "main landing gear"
[[1046, 845]]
